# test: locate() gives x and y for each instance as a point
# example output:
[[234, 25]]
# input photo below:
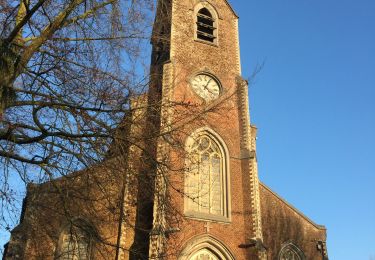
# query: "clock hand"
[[206, 87]]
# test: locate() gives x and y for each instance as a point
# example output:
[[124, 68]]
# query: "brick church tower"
[[196, 51], [224, 211], [205, 201]]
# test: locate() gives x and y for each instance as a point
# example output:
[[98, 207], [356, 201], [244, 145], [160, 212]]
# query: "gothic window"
[[204, 254], [291, 252], [206, 179], [206, 26], [75, 244]]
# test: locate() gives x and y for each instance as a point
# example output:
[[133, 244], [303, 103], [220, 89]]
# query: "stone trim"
[[158, 238], [139, 107], [243, 104], [238, 53], [293, 248], [205, 241], [215, 14], [226, 172], [248, 148], [173, 30]]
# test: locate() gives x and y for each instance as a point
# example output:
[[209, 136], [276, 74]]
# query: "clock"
[[206, 86]]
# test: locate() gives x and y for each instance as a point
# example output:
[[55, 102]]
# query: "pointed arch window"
[[75, 243], [206, 183], [291, 252], [206, 25], [204, 254]]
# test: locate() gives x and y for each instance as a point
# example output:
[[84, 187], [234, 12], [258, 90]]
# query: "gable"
[[231, 8]]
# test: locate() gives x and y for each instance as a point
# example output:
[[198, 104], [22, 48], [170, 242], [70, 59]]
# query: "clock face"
[[206, 87]]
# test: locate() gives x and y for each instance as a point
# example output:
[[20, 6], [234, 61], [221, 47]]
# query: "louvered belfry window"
[[206, 26]]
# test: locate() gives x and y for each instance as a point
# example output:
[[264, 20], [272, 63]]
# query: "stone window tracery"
[[204, 254], [291, 252], [75, 244], [206, 180]]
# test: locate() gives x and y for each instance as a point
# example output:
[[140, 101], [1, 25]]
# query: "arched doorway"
[[205, 247]]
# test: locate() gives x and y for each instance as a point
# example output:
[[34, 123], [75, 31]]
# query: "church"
[[181, 180]]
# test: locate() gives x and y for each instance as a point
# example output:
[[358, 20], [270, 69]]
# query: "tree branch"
[[21, 23], [22, 159]]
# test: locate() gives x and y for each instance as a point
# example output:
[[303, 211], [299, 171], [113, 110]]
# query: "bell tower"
[[210, 178], [189, 188]]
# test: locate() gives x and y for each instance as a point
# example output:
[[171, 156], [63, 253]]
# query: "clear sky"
[[314, 105]]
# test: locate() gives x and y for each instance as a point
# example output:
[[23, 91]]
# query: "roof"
[[292, 208]]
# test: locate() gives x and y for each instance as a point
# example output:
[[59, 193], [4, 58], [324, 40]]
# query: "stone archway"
[[204, 254], [205, 247]]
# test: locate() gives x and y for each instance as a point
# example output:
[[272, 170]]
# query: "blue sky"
[[314, 105]]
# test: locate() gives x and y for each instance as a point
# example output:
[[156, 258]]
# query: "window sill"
[[206, 42], [207, 217]]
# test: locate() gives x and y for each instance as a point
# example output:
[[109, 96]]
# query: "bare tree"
[[72, 105], [68, 70]]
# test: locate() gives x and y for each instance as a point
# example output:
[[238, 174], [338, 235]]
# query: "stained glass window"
[[204, 254], [75, 245], [290, 252], [205, 184]]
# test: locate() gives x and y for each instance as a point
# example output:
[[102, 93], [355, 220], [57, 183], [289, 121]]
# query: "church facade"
[[202, 200]]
